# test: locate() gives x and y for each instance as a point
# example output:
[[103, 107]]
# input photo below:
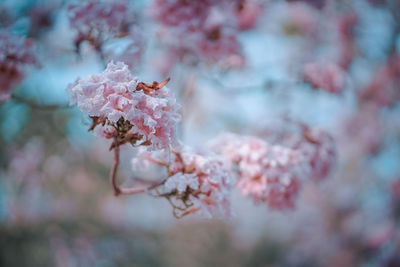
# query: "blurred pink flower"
[[248, 13], [383, 89], [327, 77], [92, 18], [111, 23], [267, 173], [16, 53], [200, 29], [318, 147]]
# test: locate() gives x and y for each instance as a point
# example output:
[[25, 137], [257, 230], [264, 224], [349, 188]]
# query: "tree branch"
[[35, 105], [113, 173], [126, 191]]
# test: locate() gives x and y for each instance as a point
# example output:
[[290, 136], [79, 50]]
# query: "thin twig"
[[126, 191], [35, 105], [113, 173], [133, 190]]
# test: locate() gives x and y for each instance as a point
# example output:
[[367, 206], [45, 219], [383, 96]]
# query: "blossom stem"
[[133, 190], [113, 173], [126, 191]]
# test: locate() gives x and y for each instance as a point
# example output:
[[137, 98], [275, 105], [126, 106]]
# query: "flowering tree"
[[288, 107]]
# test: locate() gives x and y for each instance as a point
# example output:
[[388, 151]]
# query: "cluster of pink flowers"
[[319, 150], [247, 14], [127, 110], [267, 173], [206, 29], [327, 77], [99, 22], [197, 183], [331, 76], [96, 15], [383, 90], [272, 173], [16, 53], [316, 146], [94, 18]]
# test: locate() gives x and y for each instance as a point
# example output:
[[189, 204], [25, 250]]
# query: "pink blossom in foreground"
[[16, 53], [196, 183], [125, 109], [267, 173], [327, 77]]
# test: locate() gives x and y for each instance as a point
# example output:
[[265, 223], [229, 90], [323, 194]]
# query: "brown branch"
[[113, 173], [126, 191], [35, 105], [133, 190], [157, 161]]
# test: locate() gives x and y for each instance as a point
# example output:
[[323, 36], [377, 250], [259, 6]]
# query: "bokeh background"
[[329, 64]]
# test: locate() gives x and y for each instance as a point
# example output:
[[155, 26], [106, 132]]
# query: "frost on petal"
[[181, 182]]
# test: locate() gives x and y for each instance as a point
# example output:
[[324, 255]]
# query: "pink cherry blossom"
[[199, 29], [123, 108], [383, 90], [111, 23], [96, 16], [16, 53], [248, 13], [327, 77], [196, 182], [318, 148], [267, 173], [207, 182]]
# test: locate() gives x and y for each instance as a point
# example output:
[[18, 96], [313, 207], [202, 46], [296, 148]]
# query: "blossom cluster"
[[206, 29], [16, 53], [383, 89], [267, 173], [127, 110], [316, 146], [327, 77], [196, 183], [102, 22], [93, 18], [272, 173]]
